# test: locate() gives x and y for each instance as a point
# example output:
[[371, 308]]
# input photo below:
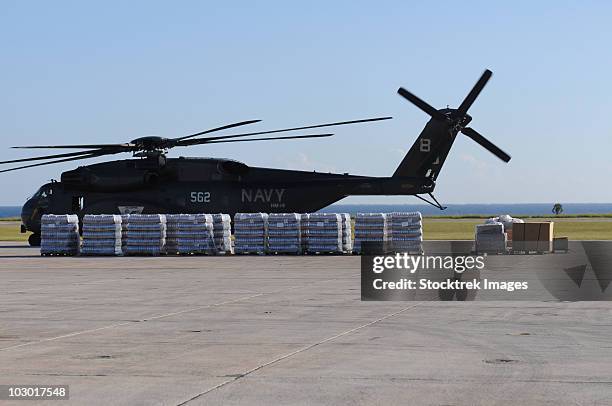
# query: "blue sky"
[[114, 71]]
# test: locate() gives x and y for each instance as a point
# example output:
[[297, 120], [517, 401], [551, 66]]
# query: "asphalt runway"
[[283, 330]]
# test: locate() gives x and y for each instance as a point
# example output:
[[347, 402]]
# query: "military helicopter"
[[154, 183]]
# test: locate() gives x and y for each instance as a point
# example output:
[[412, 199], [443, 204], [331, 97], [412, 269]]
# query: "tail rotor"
[[458, 119]]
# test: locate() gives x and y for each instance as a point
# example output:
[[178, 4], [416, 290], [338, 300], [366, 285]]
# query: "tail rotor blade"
[[471, 97], [423, 105], [486, 144]]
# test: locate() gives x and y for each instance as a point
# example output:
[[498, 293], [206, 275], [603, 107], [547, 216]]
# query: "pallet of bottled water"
[[406, 231], [101, 234], [171, 245], [490, 238], [370, 230], [195, 234], [124, 223], [250, 233], [324, 233], [146, 234], [222, 233], [304, 230], [347, 233], [284, 233], [59, 234]]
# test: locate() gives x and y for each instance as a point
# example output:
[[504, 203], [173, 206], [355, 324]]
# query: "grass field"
[[590, 229], [9, 231], [437, 229]]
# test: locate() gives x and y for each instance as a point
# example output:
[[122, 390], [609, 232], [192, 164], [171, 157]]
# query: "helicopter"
[[153, 183]]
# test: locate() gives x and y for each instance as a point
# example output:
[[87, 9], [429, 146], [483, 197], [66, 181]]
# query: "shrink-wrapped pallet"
[[490, 238], [222, 232], [304, 230], [102, 234], [146, 234], [347, 233], [506, 220], [284, 233], [59, 234], [194, 234], [324, 233], [370, 230], [171, 245], [124, 223], [406, 231], [250, 233]]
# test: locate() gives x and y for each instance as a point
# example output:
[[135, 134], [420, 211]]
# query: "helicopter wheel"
[[34, 240]]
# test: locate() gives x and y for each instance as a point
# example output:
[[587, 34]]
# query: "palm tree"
[[557, 209]]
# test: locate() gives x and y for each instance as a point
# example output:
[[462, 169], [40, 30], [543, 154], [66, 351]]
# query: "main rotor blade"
[[223, 137], [41, 158], [473, 94], [423, 105], [485, 143], [291, 137], [127, 146], [91, 155], [225, 127]]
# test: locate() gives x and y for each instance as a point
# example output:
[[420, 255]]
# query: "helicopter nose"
[[27, 212]]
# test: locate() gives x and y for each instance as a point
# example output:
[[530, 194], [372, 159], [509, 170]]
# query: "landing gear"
[[34, 240], [436, 204]]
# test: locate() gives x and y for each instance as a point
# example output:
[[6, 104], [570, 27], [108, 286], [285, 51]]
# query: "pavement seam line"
[[150, 318], [77, 333], [296, 352]]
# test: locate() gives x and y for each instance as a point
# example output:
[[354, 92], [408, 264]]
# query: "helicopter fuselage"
[[201, 185]]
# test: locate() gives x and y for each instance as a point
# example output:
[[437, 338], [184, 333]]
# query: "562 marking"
[[200, 197]]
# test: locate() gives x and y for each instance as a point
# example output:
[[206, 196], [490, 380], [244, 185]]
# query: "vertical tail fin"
[[428, 153]]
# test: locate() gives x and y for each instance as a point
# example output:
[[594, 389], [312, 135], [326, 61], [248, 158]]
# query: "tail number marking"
[[425, 144], [200, 197]]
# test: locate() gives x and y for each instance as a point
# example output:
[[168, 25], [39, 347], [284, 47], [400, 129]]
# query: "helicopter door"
[[77, 204]]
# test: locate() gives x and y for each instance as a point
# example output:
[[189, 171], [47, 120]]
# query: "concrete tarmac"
[[282, 330]]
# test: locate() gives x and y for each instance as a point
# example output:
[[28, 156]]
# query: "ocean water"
[[529, 209], [533, 209], [10, 211]]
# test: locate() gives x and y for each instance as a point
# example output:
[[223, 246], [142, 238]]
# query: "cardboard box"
[[532, 236], [561, 244]]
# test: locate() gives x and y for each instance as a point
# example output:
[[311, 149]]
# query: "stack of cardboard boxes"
[[533, 236]]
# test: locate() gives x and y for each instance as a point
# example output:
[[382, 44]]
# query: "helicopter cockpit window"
[[44, 192]]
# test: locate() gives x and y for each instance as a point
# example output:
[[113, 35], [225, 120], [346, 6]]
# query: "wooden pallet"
[[156, 254], [524, 252], [326, 253]]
